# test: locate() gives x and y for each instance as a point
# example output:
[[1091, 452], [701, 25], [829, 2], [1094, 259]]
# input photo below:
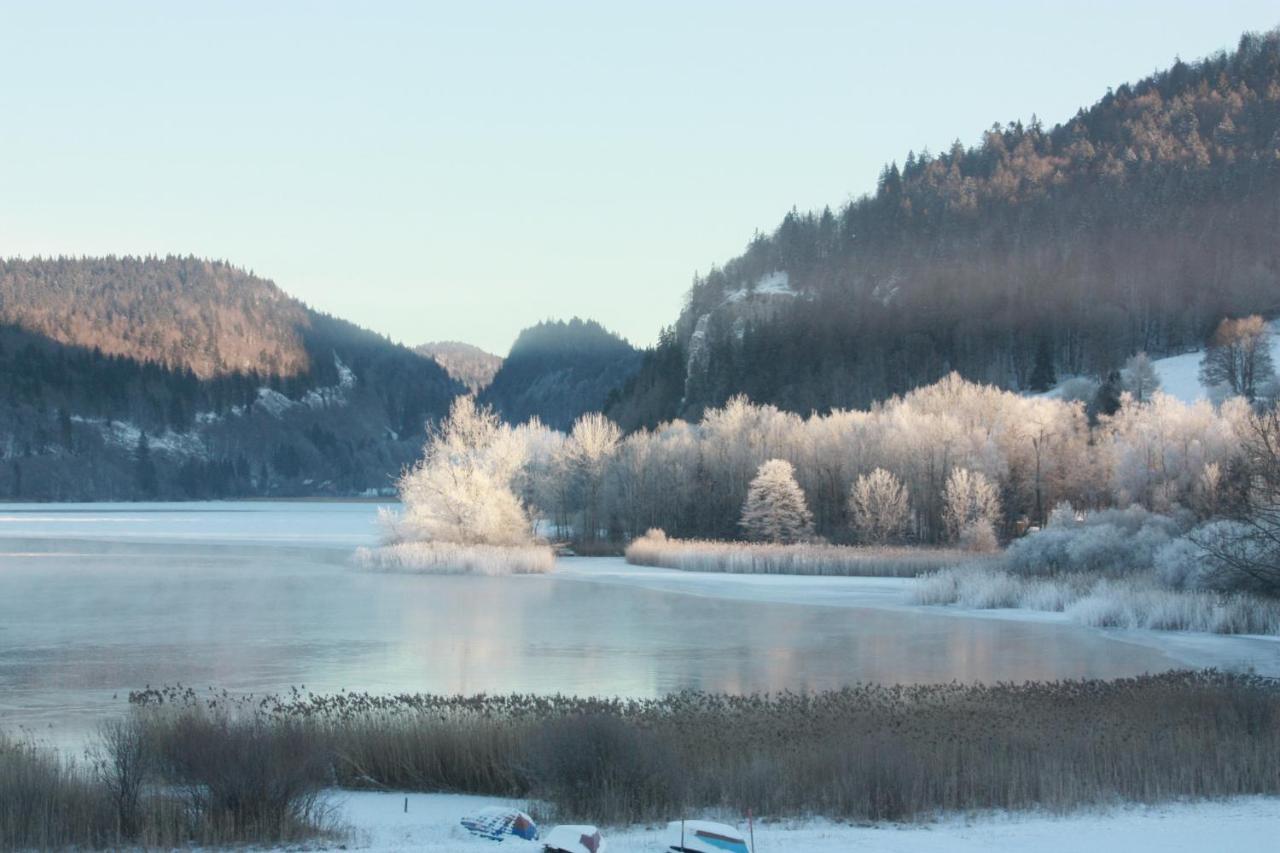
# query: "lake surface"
[[97, 600]]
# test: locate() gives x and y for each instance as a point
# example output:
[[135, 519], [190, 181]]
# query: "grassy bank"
[[696, 555]]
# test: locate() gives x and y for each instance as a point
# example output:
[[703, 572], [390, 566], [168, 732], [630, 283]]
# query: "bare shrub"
[[979, 537], [1113, 541], [696, 555], [447, 558], [123, 761], [243, 776]]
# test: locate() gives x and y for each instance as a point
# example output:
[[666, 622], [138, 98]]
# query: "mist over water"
[[258, 597]]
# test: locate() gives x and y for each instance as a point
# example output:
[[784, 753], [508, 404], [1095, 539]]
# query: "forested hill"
[[466, 363], [1135, 225], [559, 370], [206, 317], [176, 377]]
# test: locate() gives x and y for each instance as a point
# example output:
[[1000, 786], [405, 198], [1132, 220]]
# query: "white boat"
[[704, 836], [574, 839]]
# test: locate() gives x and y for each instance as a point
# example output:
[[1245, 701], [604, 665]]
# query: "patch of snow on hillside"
[[125, 434], [273, 402], [884, 292], [276, 404], [776, 283], [329, 395], [698, 344], [1180, 376]]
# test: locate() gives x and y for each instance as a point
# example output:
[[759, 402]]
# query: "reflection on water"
[[83, 622]]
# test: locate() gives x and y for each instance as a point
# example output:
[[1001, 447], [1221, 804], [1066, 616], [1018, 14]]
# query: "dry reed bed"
[[447, 558], [864, 752], [700, 555], [1137, 601]]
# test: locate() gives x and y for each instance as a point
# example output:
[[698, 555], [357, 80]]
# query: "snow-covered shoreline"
[[1187, 649], [378, 821]]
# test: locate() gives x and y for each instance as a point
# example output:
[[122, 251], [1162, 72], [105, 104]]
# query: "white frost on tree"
[[1139, 377], [463, 491], [775, 509], [587, 452], [879, 505], [971, 504]]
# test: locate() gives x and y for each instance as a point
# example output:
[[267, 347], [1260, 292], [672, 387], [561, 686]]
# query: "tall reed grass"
[[700, 555], [191, 777], [1135, 601], [448, 558], [864, 752]]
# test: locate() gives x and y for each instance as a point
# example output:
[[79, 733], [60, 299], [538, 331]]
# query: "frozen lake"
[[97, 600]]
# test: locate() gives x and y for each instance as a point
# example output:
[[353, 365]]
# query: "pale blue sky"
[[464, 170]]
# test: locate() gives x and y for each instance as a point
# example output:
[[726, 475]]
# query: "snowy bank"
[[1136, 602], [1184, 648], [380, 822]]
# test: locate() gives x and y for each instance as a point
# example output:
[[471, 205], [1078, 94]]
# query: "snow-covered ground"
[[1180, 374], [379, 822], [1258, 653]]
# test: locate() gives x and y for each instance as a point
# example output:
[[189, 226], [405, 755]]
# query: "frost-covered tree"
[[775, 509], [879, 505], [1139, 377], [591, 445], [464, 489], [1158, 449], [969, 500], [1239, 356]]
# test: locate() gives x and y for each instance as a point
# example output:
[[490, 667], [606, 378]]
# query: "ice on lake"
[[97, 600]]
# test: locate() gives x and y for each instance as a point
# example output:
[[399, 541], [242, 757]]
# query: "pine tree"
[[1043, 376], [1106, 402], [775, 509]]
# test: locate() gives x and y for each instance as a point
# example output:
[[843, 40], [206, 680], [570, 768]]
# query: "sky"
[[464, 170]]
